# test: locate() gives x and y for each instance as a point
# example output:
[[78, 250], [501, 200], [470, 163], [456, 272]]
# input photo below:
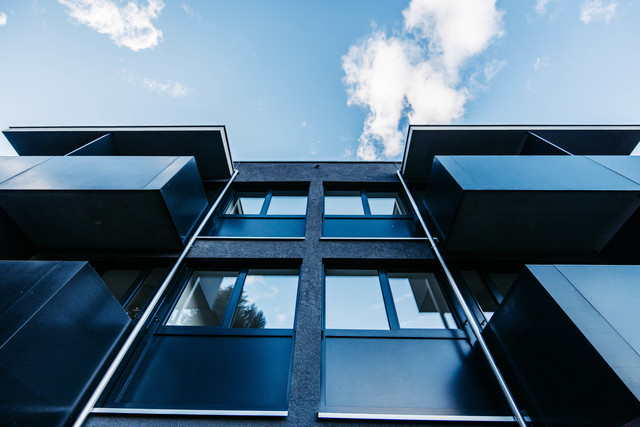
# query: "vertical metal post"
[[467, 312], [147, 312]]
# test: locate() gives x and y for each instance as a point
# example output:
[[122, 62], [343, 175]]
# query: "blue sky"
[[325, 79]]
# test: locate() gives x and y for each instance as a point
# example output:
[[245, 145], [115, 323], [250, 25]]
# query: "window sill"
[[417, 417], [204, 412], [247, 238]]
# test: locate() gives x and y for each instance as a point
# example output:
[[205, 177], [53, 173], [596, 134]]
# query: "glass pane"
[[246, 204], [343, 203], [480, 291], [119, 281], [287, 205], [268, 300], [419, 301], [204, 299], [145, 291], [385, 204], [353, 300]]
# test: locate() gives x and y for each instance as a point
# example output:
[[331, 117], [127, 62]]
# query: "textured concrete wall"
[[304, 399]]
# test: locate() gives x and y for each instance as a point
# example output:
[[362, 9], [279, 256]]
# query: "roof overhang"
[[425, 142], [208, 144]]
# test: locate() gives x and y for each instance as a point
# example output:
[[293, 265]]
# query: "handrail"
[[147, 312], [467, 312]]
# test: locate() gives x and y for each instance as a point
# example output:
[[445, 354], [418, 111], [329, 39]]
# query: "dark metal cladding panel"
[[528, 203], [96, 202], [426, 144], [212, 372], [93, 219], [57, 335], [536, 146], [102, 146], [258, 227], [371, 227], [594, 141], [207, 146], [443, 197], [11, 166], [90, 173], [410, 376], [14, 244], [49, 143], [556, 372], [184, 194]]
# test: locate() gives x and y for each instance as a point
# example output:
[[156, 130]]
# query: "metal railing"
[[147, 312], [467, 312]]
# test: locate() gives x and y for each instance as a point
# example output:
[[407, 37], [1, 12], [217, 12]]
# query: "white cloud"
[[415, 75], [541, 62], [303, 124], [190, 12], [541, 6], [170, 87], [3, 18], [130, 25], [596, 10]]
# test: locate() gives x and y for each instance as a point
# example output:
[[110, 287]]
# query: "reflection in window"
[[375, 299], [481, 292], [204, 299], [257, 299], [246, 204], [268, 300], [353, 300], [385, 204], [419, 301], [343, 203], [272, 202], [287, 204], [367, 203]]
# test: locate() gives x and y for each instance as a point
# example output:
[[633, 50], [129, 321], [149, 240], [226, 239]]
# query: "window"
[[365, 213], [132, 288], [377, 300], [269, 213], [254, 299], [392, 349], [366, 203], [222, 341]]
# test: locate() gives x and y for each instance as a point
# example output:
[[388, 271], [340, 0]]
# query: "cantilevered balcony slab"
[[530, 203], [425, 142], [567, 340], [208, 144], [112, 203]]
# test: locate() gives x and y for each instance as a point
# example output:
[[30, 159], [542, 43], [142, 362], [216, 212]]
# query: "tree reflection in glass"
[[268, 300], [204, 299]]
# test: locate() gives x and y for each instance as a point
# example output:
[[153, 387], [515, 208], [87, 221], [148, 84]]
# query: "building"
[[492, 277]]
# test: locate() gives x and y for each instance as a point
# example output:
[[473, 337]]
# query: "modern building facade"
[[490, 278]]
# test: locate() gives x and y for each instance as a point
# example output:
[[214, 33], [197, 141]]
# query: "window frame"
[[394, 331], [265, 204], [364, 197], [225, 328]]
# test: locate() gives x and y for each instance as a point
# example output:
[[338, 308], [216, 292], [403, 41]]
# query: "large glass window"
[[260, 214], [367, 214], [366, 203], [488, 289], [272, 202], [258, 299], [375, 299]]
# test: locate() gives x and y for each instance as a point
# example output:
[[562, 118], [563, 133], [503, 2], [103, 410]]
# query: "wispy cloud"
[[3, 18], [541, 62], [130, 25], [597, 10], [172, 88], [541, 6], [414, 75], [190, 12]]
